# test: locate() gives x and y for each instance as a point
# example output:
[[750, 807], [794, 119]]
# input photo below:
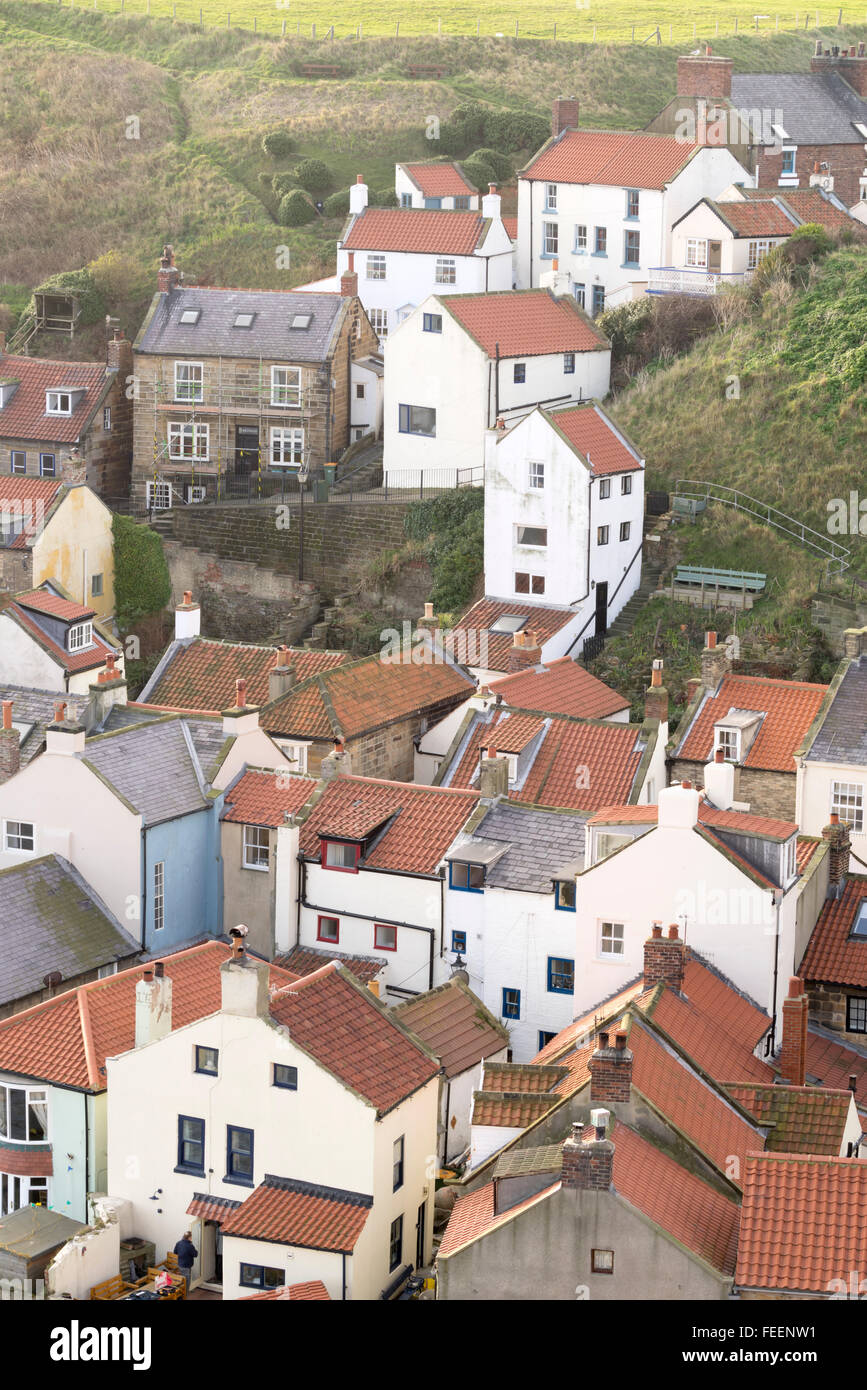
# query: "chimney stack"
[[656, 696], [429, 620], [588, 1165], [793, 1053], [336, 764], [153, 1005], [854, 642], [64, 735], [837, 836], [851, 65], [715, 662], [525, 652], [491, 202], [244, 981], [611, 1070], [282, 676], [10, 745], [358, 196], [494, 775], [564, 115], [349, 278], [664, 958], [703, 75], [119, 354], [719, 781], [677, 807], [188, 618], [168, 276]]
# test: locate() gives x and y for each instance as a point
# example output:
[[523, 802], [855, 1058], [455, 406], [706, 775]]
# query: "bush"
[[278, 143], [141, 575], [516, 130], [382, 198], [295, 209], [453, 524], [338, 204], [622, 325], [479, 172], [502, 167], [314, 175], [119, 278], [283, 183], [91, 299]]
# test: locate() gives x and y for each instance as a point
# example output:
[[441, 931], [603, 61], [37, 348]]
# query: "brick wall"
[[846, 164], [768, 793]]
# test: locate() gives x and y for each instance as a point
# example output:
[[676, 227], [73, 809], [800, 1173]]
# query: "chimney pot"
[[148, 973], [7, 714], [240, 693], [853, 1083], [673, 933], [59, 711], [620, 1039], [159, 969], [710, 640], [603, 1038], [656, 932]]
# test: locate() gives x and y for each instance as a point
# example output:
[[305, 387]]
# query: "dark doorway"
[[419, 1236], [601, 609], [246, 448], [714, 256]]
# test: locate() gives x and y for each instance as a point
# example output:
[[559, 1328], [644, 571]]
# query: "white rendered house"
[[438, 185]]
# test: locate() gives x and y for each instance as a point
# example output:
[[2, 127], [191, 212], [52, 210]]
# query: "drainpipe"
[[144, 888], [496, 382], [776, 973], [446, 1140], [530, 268], [343, 1290], [302, 893]]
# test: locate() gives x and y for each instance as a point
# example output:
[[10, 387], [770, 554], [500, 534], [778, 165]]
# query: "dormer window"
[[80, 637], [7, 391], [342, 855], [859, 926], [729, 740], [59, 402], [466, 878], [790, 860], [564, 895]]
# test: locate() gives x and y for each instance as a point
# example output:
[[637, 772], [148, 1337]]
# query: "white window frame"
[[375, 266], [379, 322], [32, 1096], [446, 272], [550, 197], [535, 583], [550, 238], [847, 800], [286, 447], [758, 249], [106, 418], [608, 935], [257, 848], [790, 859], [17, 1192], [283, 392], [159, 891], [80, 637], [696, 252], [54, 402], [23, 830], [520, 527], [198, 434], [188, 386], [580, 238], [162, 490], [537, 473], [729, 740]]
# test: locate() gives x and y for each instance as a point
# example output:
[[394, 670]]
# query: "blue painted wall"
[[189, 846]]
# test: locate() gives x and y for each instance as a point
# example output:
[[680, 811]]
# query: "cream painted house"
[[302, 1125], [49, 530]]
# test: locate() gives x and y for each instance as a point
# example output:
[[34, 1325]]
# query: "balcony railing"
[[667, 279]]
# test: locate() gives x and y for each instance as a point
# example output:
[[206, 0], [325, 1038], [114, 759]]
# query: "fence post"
[[516, 27], [478, 22], [283, 30], [420, 484], [397, 29]]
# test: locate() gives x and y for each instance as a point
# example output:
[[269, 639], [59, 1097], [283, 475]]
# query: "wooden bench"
[[688, 506], [112, 1288], [424, 70], [319, 70], [742, 581]]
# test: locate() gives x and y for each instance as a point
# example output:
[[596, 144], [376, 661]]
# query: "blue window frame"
[[417, 419], [191, 1145], [788, 164], [511, 1003], [561, 975], [545, 1038], [207, 1059], [406, 200], [631, 248], [459, 942], [564, 895], [261, 1277], [519, 372], [432, 323], [631, 203], [47, 466], [286, 1078], [466, 878], [433, 203], [568, 363], [600, 241], [580, 294], [239, 1155], [598, 299]]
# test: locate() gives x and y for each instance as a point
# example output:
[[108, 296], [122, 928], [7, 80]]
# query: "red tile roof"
[[522, 1078], [717, 1051], [416, 229], [202, 674], [455, 1025], [803, 1223], [804, 1119], [718, 999], [523, 323], [301, 1214], [593, 436], [789, 709], [493, 648], [628, 159], [335, 1019], [426, 821], [26, 1160], [303, 960], [439, 180], [805, 849], [561, 687], [25, 418], [212, 1208], [266, 797], [833, 956], [44, 601], [586, 1025], [763, 218], [807, 204], [365, 695], [31, 499], [832, 1063], [501, 1109], [67, 1039], [473, 1216], [739, 822], [88, 659], [579, 765], [314, 1289], [511, 226]]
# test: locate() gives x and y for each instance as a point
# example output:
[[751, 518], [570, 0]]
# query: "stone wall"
[[242, 601], [832, 615], [768, 793], [827, 1005]]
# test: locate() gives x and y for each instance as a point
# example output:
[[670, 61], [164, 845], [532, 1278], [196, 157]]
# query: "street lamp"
[[303, 475]]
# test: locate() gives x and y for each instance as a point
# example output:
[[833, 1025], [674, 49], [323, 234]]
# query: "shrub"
[[283, 183], [338, 204], [118, 277], [464, 128], [453, 526], [295, 209], [479, 172], [277, 143], [516, 130], [502, 167], [314, 175], [141, 575], [622, 325], [382, 198]]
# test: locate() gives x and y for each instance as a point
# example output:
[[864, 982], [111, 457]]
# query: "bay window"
[[24, 1114]]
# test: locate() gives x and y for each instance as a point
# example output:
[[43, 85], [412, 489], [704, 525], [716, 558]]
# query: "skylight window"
[[859, 926], [243, 320], [861, 129], [190, 316], [301, 321], [508, 622]]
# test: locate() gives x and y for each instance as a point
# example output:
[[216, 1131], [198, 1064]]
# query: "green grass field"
[[587, 21]]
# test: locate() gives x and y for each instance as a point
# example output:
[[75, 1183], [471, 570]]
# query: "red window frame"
[[338, 868], [329, 940], [384, 926]]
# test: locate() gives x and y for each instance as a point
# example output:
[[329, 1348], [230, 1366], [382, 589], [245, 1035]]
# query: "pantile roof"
[[270, 336], [511, 226], [502, 1109], [45, 601], [364, 695], [595, 439], [303, 960], [24, 417], [455, 1025], [522, 1078], [624, 158], [522, 323], [312, 1291], [718, 1052], [201, 674], [735, 822], [560, 687], [755, 217], [265, 797], [806, 847], [807, 204], [284, 1211], [67, 1038], [335, 1019], [515, 1163], [439, 180], [423, 821], [416, 229], [803, 1223], [541, 844], [52, 921], [831, 1062], [803, 1119], [211, 1207], [87, 659], [788, 707], [493, 648], [586, 1026], [473, 1216], [833, 955]]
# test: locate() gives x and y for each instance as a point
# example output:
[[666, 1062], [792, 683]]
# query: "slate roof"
[[818, 108], [201, 674], [842, 737], [285, 1211], [515, 1163], [36, 708], [439, 180], [423, 821], [494, 647], [455, 1025], [522, 323], [338, 1022], [560, 687], [270, 336], [152, 767], [266, 797], [833, 956], [24, 417], [303, 960], [51, 920], [541, 844], [803, 1222], [623, 158], [789, 708], [422, 230], [805, 1120], [67, 1038], [593, 436]]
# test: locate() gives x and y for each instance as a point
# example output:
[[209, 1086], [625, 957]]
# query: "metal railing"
[[667, 279], [836, 555]]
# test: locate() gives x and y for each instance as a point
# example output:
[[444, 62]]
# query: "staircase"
[[625, 619]]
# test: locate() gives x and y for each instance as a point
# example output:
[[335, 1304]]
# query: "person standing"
[[187, 1254]]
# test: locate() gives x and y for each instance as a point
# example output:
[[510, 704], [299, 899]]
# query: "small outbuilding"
[[29, 1240]]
